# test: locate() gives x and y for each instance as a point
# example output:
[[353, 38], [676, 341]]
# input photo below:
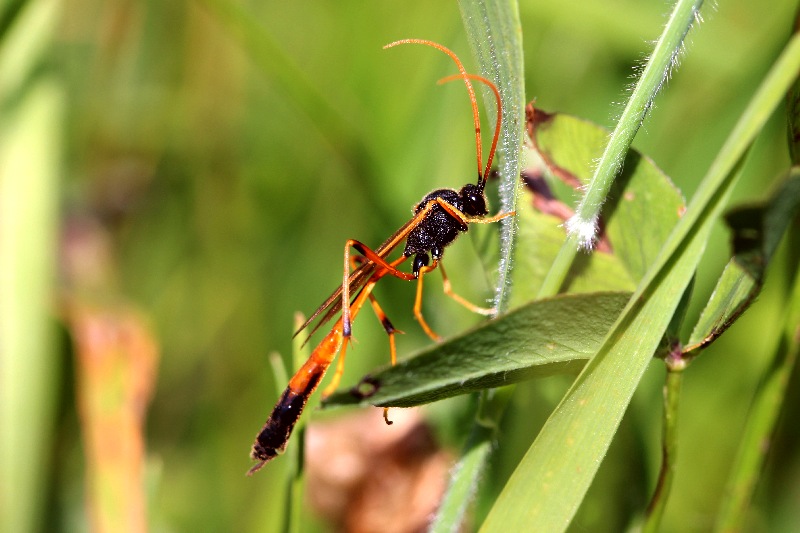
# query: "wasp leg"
[[448, 290], [418, 302]]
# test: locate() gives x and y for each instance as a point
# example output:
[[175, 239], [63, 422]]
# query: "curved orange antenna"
[[466, 77], [497, 125]]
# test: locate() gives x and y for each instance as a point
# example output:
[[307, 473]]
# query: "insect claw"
[[258, 466]]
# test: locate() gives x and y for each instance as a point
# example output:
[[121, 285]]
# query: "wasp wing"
[[333, 304], [358, 277]]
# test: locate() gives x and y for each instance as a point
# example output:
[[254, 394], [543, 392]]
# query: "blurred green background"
[[223, 170]]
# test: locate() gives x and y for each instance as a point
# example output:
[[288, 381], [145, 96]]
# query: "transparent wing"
[[360, 276]]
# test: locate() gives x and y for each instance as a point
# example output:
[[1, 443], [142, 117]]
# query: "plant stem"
[[669, 444], [464, 481]]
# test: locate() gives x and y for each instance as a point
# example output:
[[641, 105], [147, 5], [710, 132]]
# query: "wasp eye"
[[474, 200]]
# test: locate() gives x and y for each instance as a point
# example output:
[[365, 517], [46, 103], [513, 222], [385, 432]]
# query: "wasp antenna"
[[483, 176], [464, 76]]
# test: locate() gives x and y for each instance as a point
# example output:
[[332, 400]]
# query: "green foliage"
[[757, 230], [31, 115], [543, 338], [207, 160]]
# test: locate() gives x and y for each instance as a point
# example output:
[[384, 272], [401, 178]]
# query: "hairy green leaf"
[[543, 338]]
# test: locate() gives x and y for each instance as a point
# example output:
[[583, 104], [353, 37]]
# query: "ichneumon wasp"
[[440, 217]]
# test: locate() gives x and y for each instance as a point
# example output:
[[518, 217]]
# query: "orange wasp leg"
[[385, 322], [496, 218], [455, 213], [448, 290], [418, 302], [385, 267], [447, 287], [387, 325], [390, 330]]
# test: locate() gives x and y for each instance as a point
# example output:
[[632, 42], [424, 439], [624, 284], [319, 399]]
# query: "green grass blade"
[[495, 36], [660, 65], [769, 400], [31, 106], [461, 490], [550, 482]]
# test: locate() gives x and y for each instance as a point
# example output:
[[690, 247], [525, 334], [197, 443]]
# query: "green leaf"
[[643, 204], [31, 123], [550, 482], [756, 233], [664, 59], [543, 338], [539, 238], [495, 36]]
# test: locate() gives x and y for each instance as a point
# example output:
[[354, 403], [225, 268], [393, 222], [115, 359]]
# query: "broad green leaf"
[[756, 233], [539, 237], [543, 338], [583, 225], [643, 205], [547, 487]]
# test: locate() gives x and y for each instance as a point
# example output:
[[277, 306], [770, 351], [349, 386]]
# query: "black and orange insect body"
[[439, 227], [439, 218]]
